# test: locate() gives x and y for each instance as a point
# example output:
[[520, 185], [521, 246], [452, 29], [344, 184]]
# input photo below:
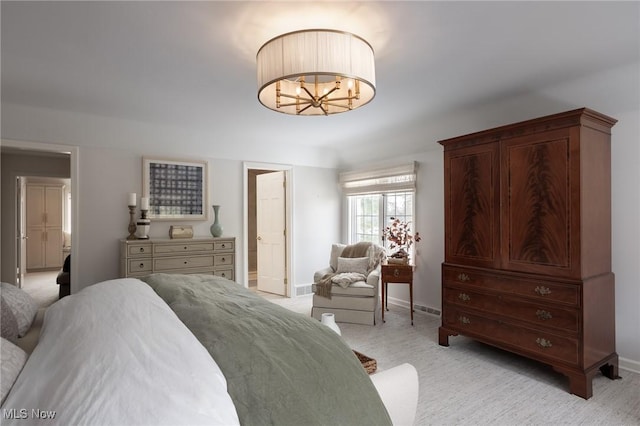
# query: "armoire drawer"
[[537, 289], [545, 315], [166, 264], [540, 344]]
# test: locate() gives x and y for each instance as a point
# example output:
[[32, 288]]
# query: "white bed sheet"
[[116, 354]]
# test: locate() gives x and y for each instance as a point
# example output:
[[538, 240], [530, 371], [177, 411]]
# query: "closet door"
[[35, 247], [53, 206]]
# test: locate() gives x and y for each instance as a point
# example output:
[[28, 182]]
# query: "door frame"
[[288, 171], [74, 163]]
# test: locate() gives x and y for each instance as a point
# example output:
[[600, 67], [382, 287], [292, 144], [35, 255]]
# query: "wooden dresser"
[[214, 256], [528, 243]]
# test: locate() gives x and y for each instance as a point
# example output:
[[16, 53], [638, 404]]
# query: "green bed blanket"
[[282, 368]]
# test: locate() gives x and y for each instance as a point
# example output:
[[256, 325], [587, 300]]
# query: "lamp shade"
[[315, 72]]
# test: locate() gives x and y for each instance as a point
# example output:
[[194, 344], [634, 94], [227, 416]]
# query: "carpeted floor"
[[469, 383], [42, 287]]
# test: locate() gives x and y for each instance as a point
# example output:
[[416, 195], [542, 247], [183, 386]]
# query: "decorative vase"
[[216, 228], [329, 320]]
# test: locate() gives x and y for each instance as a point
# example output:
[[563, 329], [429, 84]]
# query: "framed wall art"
[[177, 189]]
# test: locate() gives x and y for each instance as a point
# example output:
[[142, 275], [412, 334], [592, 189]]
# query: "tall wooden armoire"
[[528, 243]]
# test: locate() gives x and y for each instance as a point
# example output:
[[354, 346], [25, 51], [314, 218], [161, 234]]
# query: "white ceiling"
[[192, 64]]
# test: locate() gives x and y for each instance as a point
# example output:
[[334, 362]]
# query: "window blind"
[[380, 180]]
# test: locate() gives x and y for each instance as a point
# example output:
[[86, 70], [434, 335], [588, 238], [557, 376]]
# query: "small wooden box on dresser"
[[528, 243], [214, 256]]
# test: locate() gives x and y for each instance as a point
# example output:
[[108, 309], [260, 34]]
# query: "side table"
[[396, 274]]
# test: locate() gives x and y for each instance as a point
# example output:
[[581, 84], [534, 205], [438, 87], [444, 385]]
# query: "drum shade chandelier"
[[316, 72]]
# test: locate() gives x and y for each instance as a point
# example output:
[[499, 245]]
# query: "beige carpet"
[[42, 287], [469, 383]]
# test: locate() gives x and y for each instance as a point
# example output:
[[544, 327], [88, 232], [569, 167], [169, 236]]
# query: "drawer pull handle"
[[141, 265], [223, 246], [223, 259], [185, 247], [543, 343], [543, 315], [464, 320], [463, 277], [185, 262], [396, 273], [223, 274], [542, 290], [464, 297], [141, 249]]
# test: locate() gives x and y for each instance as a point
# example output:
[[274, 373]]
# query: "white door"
[[270, 215], [21, 233]]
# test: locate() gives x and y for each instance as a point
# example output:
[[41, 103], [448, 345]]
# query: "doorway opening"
[[41, 164], [44, 224], [267, 232]]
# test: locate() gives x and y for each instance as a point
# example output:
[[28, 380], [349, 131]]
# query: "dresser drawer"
[[223, 259], [540, 344], [537, 289], [224, 273], [137, 250], [548, 315], [137, 266], [182, 248], [224, 246], [163, 264]]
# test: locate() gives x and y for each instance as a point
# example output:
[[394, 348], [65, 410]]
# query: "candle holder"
[[143, 226], [132, 224]]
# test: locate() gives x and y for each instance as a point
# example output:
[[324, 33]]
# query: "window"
[[376, 196], [369, 214]]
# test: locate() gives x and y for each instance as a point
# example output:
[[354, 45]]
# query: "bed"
[[195, 349]]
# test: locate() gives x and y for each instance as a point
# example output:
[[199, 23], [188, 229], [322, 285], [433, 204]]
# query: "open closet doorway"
[[268, 229]]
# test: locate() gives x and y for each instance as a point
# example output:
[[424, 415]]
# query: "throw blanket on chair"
[[361, 249]]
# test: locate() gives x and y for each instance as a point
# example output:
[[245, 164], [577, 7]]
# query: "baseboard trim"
[[416, 307], [629, 365]]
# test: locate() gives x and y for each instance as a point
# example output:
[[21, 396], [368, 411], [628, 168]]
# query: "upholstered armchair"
[[348, 287]]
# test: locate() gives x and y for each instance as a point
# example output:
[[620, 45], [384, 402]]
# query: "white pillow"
[[22, 305], [12, 359], [359, 265]]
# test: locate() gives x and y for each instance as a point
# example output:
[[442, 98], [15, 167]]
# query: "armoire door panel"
[[473, 211], [537, 207]]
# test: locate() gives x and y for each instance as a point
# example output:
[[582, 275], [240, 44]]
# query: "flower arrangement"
[[399, 235]]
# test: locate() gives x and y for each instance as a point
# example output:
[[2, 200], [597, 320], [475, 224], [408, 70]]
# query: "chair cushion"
[[357, 289]]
